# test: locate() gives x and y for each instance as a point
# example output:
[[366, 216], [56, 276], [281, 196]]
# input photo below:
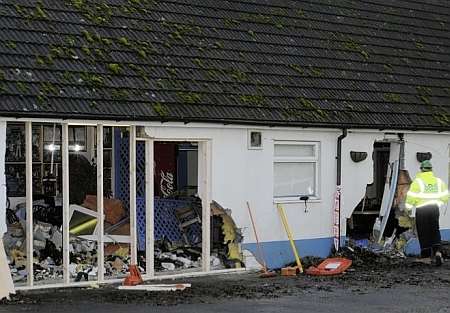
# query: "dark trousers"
[[427, 224]]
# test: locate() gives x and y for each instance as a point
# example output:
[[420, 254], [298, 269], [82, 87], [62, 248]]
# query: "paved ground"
[[373, 284], [401, 299]]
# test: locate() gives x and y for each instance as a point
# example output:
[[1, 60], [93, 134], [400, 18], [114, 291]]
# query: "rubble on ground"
[[169, 256]]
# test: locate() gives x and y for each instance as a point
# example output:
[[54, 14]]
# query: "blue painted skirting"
[[279, 253], [412, 248], [445, 234]]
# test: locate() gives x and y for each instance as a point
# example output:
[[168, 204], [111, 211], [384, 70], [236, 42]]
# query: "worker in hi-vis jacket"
[[426, 195]]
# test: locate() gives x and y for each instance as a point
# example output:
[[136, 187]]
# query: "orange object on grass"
[[134, 278], [333, 266]]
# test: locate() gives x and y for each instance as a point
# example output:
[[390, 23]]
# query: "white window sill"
[[295, 200]]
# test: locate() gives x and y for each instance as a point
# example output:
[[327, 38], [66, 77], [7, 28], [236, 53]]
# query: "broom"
[[265, 273]]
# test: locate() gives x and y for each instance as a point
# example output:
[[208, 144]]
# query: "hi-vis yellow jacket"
[[426, 189]]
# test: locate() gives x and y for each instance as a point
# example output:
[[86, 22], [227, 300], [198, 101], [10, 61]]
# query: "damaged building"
[[135, 132], [127, 173]]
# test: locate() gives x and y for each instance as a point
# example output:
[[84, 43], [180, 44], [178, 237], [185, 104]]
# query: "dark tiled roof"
[[369, 63]]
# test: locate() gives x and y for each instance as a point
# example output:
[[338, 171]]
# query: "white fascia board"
[[291, 128], [127, 123]]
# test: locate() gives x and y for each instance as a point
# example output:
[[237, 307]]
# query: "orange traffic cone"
[[134, 278]]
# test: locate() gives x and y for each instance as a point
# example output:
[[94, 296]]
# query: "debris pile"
[[47, 254], [83, 257], [173, 257], [170, 257], [180, 255], [226, 238]]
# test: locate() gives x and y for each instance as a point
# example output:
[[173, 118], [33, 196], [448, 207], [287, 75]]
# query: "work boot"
[[438, 258]]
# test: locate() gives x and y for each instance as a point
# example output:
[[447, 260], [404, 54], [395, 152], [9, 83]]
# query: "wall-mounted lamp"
[[358, 156], [422, 156]]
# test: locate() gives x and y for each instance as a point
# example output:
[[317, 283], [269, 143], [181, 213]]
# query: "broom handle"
[[289, 234], [256, 236]]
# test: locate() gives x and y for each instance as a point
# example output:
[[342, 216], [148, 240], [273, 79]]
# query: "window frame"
[[315, 159], [249, 139]]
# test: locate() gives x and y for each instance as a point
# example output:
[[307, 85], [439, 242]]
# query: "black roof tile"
[[364, 63]]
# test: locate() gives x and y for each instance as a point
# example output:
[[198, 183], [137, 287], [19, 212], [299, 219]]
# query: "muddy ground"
[[368, 273]]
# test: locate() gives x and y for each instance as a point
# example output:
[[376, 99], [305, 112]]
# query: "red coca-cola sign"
[[165, 168]]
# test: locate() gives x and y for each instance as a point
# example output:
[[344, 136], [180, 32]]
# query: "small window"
[[255, 139], [295, 170]]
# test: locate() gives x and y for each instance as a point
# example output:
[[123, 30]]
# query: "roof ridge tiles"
[[421, 26], [329, 4], [367, 75]]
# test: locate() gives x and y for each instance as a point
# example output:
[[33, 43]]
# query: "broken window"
[[117, 184], [83, 214], [295, 169], [60, 181], [177, 207], [16, 181], [43, 233]]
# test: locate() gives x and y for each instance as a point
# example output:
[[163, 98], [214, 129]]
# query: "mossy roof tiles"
[[348, 63]]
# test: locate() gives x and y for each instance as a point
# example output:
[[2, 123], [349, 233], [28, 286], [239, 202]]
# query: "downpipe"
[[339, 179]]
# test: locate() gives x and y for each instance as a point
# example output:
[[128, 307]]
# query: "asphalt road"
[[374, 284], [394, 300]]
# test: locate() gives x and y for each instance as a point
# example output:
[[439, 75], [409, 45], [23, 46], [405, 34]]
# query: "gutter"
[[224, 121], [339, 180]]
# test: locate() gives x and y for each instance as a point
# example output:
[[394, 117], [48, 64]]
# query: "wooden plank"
[[156, 287], [204, 180], [100, 206], [156, 278], [29, 200], [149, 209], [133, 194], [65, 187]]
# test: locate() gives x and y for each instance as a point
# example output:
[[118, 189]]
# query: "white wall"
[[438, 145], [356, 176], [240, 174]]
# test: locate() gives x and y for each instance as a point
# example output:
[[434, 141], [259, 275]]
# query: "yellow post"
[[289, 234]]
